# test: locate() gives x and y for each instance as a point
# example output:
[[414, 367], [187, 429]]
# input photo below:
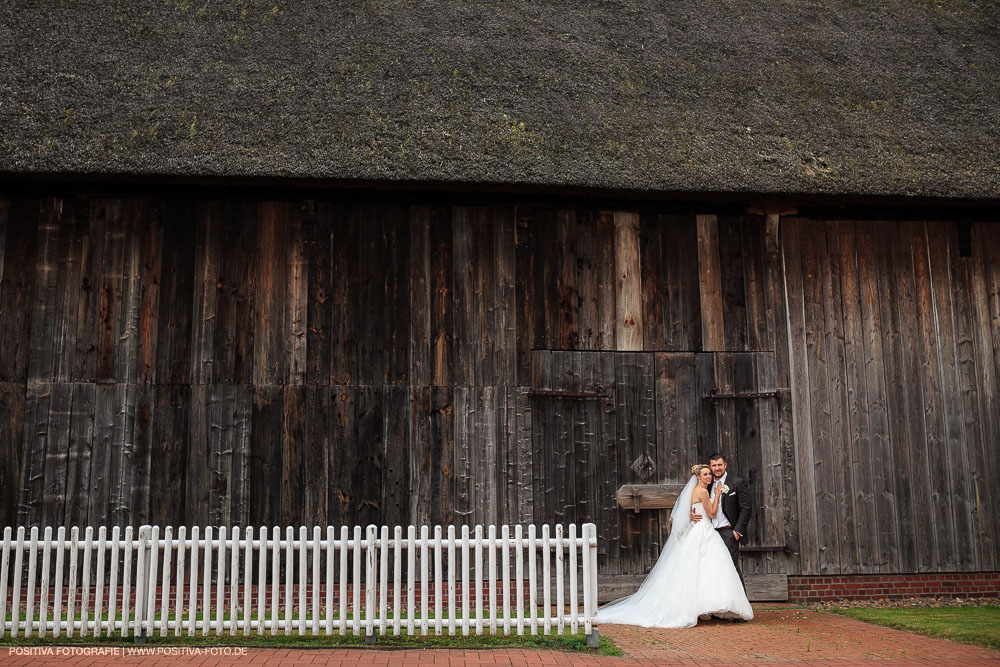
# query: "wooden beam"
[[648, 496], [628, 288], [710, 282], [760, 587]]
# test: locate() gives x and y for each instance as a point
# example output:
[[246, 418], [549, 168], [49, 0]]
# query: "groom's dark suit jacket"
[[736, 505]]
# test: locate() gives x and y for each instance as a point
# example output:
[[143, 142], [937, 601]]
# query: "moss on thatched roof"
[[785, 96]]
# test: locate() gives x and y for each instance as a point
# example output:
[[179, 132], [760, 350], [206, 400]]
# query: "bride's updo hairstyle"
[[696, 468]]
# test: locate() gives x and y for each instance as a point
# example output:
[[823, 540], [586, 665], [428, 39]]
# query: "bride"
[[694, 574]]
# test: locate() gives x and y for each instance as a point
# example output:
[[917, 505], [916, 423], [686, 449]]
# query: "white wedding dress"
[[694, 575]]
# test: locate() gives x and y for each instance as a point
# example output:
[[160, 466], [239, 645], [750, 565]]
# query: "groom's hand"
[[736, 535], [695, 517]]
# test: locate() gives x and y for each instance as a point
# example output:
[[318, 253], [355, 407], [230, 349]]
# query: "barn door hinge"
[[713, 395], [599, 392]]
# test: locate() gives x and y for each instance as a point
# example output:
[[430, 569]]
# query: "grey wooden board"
[[760, 587]]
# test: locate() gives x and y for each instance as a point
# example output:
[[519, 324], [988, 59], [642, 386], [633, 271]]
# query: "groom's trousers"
[[734, 550]]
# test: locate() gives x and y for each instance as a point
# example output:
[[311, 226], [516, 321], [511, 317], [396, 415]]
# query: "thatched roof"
[[865, 97]]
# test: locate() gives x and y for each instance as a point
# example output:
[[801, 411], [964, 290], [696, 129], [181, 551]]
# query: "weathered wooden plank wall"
[[296, 362], [894, 364]]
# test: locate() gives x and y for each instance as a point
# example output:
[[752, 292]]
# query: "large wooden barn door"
[[738, 415], [601, 420]]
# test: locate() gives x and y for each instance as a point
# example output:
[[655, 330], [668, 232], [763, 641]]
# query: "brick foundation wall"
[[822, 588]]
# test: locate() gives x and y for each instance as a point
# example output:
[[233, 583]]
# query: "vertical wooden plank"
[[170, 434], [598, 373], [816, 278], [710, 284], [482, 307], [770, 484], [206, 279], [197, 474], [265, 470], [568, 336], [232, 360], [635, 411], [752, 230], [504, 299], [17, 287], [421, 372], [372, 239], [674, 248], [545, 241], [395, 500], [175, 320], [677, 401], [297, 295], [88, 250], [80, 446], [44, 306], [986, 256], [732, 280], [342, 473], [893, 271], [798, 356], [137, 457], [369, 461], [68, 293], [441, 292], [237, 442], [943, 254], [463, 495], [525, 285], [748, 444], [345, 297], [385, 304], [936, 406], [56, 454], [974, 402], [628, 288], [100, 456], [128, 306], [319, 250], [32, 474], [149, 229], [844, 445], [293, 440], [271, 325], [316, 456], [12, 437], [431, 447], [588, 280], [607, 308], [653, 282], [875, 395]]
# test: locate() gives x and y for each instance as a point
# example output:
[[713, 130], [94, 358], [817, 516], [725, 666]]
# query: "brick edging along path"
[[777, 634], [825, 588]]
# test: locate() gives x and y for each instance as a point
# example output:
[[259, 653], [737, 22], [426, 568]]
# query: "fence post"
[[589, 553], [141, 585], [371, 585]]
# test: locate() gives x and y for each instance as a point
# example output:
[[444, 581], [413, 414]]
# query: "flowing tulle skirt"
[[694, 575]]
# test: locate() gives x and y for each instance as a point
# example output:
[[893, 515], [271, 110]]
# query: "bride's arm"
[[701, 496]]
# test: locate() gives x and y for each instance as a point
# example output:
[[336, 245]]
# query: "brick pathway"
[[776, 635]]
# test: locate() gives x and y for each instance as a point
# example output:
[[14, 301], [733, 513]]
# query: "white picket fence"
[[217, 581]]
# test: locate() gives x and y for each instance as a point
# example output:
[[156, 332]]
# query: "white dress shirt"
[[720, 520]]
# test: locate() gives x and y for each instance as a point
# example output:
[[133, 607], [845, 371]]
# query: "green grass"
[[969, 625], [564, 642]]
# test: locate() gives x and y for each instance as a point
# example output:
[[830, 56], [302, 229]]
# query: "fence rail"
[[208, 581]]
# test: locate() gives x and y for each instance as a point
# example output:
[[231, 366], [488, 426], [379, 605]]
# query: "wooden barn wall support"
[[179, 361]]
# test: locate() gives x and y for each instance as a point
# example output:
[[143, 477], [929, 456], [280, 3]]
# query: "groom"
[[732, 521]]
